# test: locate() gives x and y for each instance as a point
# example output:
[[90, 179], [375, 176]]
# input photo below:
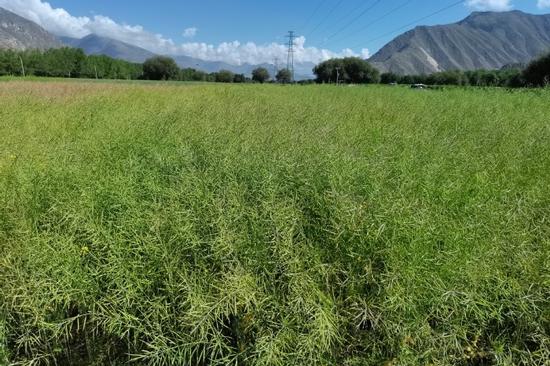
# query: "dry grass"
[[55, 90]]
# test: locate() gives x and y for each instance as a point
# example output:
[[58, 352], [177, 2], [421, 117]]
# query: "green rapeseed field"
[[269, 225]]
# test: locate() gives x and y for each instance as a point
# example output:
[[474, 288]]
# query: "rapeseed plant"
[[265, 225]]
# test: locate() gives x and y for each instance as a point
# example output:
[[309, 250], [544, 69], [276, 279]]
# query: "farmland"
[[271, 225]]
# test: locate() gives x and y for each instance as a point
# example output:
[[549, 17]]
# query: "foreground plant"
[[264, 225]]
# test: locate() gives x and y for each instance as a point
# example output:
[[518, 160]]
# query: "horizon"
[[324, 28]]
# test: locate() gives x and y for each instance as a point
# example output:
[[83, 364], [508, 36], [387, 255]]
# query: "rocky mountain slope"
[[484, 40], [93, 44], [19, 33]]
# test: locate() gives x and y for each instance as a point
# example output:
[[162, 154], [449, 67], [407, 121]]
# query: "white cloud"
[[543, 4], [190, 32], [238, 53], [490, 5], [60, 22]]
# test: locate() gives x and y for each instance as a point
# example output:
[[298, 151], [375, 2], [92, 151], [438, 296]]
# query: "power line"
[[321, 3], [411, 23], [397, 8], [327, 16], [359, 16], [352, 12]]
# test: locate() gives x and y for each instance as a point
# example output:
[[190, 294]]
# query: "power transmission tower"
[[290, 58]]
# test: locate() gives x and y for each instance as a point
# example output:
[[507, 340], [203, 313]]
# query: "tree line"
[[66, 62], [511, 78], [165, 68], [353, 70], [74, 63]]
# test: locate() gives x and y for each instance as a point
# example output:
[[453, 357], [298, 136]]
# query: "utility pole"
[[95, 69], [290, 58], [338, 76], [22, 66]]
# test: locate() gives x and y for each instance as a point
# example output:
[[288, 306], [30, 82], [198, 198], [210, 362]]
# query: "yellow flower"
[[13, 156], [84, 250]]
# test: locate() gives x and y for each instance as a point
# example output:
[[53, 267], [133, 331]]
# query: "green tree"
[[537, 72], [57, 62], [328, 71], [284, 76], [67, 62], [9, 63], [512, 78], [200, 76], [260, 75], [224, 76], [350, 70], [489, 78], [239, 78], [389, 77], [160, 68], [453, 77], [359, 71], [32, 61], [187, 74]]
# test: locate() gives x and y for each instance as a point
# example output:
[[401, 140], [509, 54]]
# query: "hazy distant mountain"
[[96, 45], [484, 40], [21, 34], [302, 70], [207, 66]]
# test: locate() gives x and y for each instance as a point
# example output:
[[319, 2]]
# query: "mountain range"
[[96, 45], [19, 33], [484, 40], [93, 44]]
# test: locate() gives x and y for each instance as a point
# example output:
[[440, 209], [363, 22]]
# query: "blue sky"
[[253, 31]]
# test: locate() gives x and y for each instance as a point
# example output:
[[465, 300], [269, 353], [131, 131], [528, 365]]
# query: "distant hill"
[[96, 45], [484, 40], [213, 66], [19, 33]]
